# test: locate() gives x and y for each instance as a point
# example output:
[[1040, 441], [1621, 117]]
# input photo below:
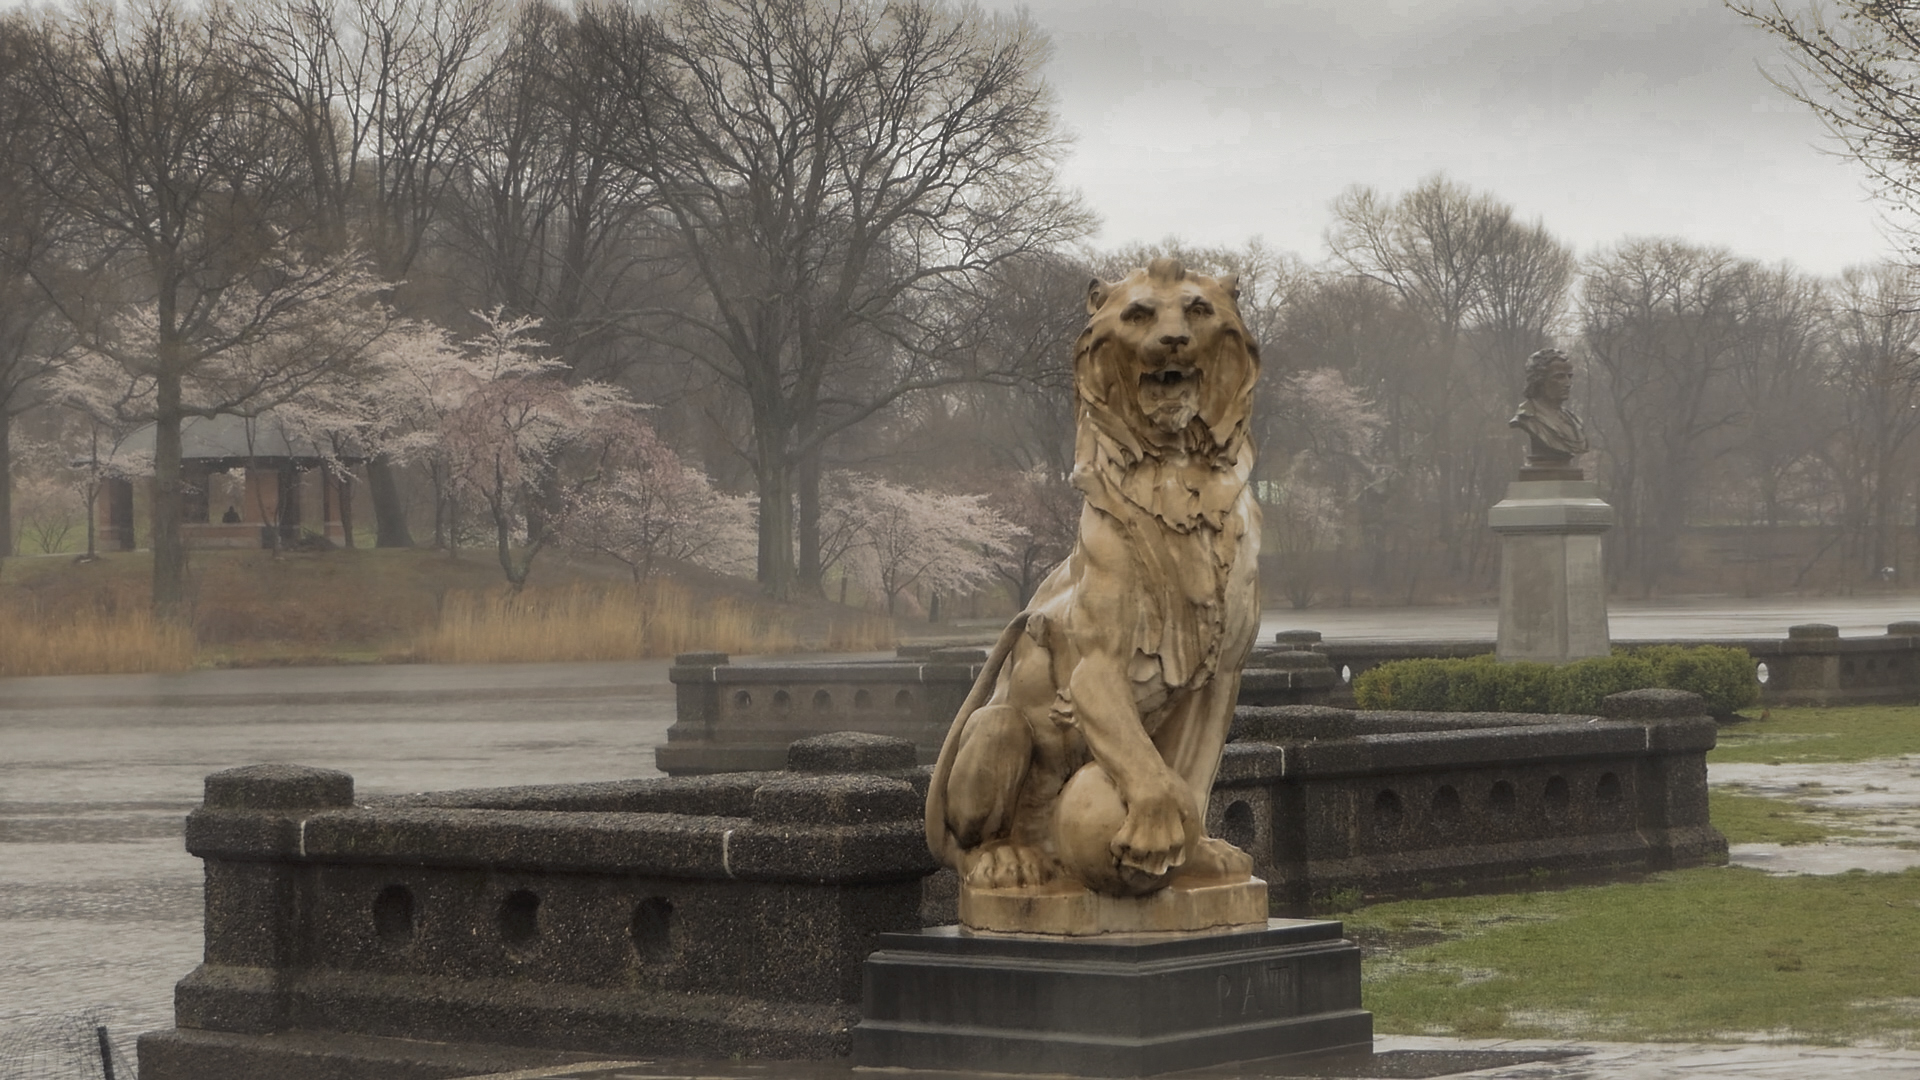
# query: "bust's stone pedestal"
[[1112, 1005], [1553, 589]]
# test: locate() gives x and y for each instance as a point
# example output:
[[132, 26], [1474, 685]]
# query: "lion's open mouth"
[[1170, 378]]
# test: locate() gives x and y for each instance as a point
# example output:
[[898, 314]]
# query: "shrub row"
[[1723, 676]]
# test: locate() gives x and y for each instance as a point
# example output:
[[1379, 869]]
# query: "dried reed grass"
[[860, 633], [91, 642], [625, 622]]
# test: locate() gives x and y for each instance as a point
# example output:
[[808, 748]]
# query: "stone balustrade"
[[700, 916]]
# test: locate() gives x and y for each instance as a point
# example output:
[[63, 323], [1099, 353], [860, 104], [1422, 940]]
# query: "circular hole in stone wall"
[[822, 701], [862, 699], [903, 700], [1386, 808], [519, 917], [1608, 789], [782, 701], [1501, 796], [1446, 803], [1556, 793], [742, 699], [652, 921], [1237, 825], [393, 914]]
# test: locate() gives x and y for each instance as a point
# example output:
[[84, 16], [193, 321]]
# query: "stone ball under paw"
[[1087, 817]]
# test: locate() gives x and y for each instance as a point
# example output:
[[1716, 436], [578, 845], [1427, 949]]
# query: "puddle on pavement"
[[1878, 801], [1822, 858]]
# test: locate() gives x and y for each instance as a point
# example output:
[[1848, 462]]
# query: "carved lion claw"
[[1006, 865]]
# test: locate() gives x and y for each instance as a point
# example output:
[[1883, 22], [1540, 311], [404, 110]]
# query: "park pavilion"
[[244, 478]]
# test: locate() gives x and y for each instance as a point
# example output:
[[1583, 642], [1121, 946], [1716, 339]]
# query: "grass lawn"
[[1712, 953], [1759, 819], [1703, 954], [1846, 733]]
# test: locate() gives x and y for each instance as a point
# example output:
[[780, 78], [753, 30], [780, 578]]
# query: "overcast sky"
[[1218, 120]]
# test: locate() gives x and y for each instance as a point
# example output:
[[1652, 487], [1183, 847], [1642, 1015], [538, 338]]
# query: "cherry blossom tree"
[[901, 539], [653, 507], [206, 292], [499, 426]]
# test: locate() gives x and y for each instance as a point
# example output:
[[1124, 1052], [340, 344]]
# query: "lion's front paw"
[[1153, 839], [1005, 865], [1215, 859]]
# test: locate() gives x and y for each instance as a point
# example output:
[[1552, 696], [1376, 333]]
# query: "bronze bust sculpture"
[[1554, 434]]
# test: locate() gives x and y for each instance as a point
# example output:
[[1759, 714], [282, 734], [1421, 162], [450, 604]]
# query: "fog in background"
[[1218, 120]]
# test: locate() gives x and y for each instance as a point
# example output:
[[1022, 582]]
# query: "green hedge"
[[1723, 676]]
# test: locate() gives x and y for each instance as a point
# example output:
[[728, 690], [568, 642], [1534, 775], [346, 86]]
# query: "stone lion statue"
[[1088, 745]]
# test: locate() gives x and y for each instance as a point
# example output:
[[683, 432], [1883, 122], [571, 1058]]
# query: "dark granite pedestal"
[[1118, 1005]]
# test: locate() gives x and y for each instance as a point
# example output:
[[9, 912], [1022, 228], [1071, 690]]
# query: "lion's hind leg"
[[984, 796], [984, 786]]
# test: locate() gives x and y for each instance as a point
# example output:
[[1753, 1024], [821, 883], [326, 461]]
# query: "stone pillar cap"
[[850, 752], [1653, 704], [278, 787]]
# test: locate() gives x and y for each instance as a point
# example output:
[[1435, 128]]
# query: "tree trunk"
[[389, 512], [345, 484], [776, 524], [169, 555], [807, 496], [6, 484]]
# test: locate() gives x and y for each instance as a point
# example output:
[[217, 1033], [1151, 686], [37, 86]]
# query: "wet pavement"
[[1627, 620], [1395, 1057], [1875, 803], [100, 904]]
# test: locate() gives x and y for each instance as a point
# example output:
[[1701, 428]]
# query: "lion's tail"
[[940, 840]]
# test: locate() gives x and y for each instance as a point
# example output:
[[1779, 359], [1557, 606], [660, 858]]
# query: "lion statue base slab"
[[1064, 909]]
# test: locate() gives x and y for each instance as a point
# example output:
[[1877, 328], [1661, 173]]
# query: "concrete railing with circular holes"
[[699, 916]]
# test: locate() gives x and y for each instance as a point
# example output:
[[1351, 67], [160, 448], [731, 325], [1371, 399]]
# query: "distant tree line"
[[789, 282]]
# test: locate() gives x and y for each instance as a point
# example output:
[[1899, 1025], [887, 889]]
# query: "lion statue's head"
[[1165, 363]]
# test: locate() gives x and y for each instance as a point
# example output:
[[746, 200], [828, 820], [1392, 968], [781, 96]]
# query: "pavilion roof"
[[262, 438]]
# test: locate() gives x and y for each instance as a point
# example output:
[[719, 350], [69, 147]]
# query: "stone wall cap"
[[708, 659], [278, 787], [1653, 704], [851, 752], [1296, 637], [1286, 660], [1904, 628], [835, 799], [959, 654], [1813, 630]]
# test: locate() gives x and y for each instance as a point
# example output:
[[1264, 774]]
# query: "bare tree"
[[157, 148], [1662, 322], [1781, 372], [1484, 290], [823, 169], [548, 222], [30, 343], [1876, 370], [376, 94], [1856, 64]]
